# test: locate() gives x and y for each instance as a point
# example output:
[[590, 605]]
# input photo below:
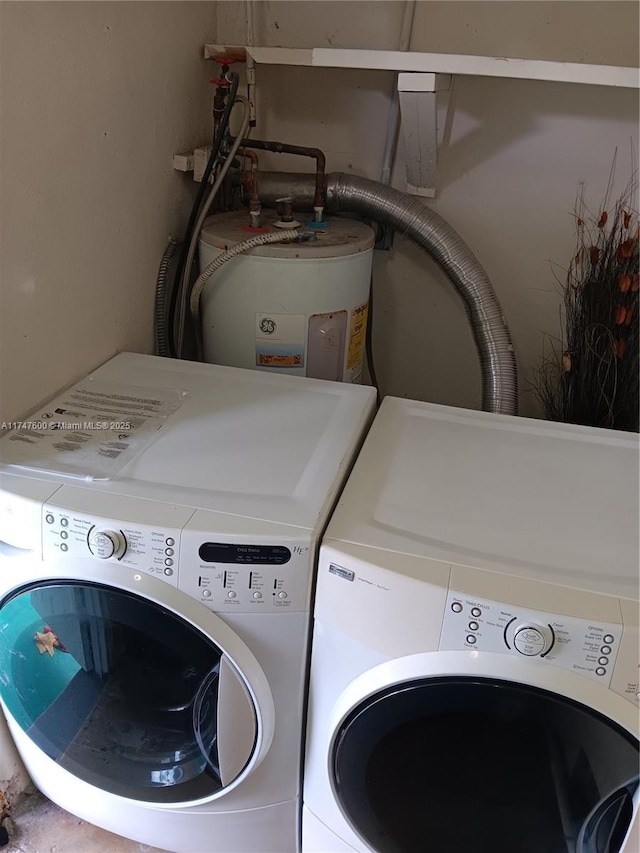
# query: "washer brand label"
[[346, 574]]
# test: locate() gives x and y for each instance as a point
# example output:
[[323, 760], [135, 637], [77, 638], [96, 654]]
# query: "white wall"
[[509, 172], [94, 99]]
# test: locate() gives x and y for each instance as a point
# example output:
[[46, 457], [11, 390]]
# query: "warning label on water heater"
[[280, 340], [357, 337]]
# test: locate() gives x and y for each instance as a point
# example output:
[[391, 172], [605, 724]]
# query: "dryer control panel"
[[585, 647]]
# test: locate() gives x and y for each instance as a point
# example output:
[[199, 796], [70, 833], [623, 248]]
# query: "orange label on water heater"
[[264, 359]]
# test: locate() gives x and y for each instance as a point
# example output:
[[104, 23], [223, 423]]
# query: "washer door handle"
[[237, 725], [608, 822]]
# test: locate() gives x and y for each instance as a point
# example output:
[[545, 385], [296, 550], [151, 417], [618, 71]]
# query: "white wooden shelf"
[[436, 63], [423, 83]]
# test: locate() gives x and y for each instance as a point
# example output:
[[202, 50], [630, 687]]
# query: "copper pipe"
[[254, 202], [282, 148]]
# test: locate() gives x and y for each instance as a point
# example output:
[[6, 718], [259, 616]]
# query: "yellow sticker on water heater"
[[357, 336]]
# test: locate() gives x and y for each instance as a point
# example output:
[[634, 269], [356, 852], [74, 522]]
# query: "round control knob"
[[106, 543], [530, 639]]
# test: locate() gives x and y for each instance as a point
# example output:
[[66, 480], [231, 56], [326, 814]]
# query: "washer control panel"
[[585, 647], [225, 572], [146, 548], [234, 575]]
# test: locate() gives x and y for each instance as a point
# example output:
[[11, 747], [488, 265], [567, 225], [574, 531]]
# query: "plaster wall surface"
[[95, 98]]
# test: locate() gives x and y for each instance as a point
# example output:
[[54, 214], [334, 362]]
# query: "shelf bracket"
[[422, 99]]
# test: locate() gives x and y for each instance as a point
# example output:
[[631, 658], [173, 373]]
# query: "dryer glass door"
[[122, 692], [453, 765]]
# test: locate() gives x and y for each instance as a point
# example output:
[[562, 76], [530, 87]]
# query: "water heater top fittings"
[[298, 307], [340, 237]]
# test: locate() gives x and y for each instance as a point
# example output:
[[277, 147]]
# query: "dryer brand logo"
[[346, 574]]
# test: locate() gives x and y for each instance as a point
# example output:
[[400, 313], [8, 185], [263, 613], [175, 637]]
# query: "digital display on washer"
[[223, 552]]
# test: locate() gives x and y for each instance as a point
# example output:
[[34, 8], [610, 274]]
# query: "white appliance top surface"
[[548, 501], [243, 442]]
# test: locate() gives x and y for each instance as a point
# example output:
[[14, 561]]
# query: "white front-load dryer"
[[474, 674], [160, 523]]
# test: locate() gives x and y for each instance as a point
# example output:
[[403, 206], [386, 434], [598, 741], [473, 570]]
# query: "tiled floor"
[[38, 826]]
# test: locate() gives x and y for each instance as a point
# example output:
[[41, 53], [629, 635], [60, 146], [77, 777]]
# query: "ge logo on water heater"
[[267, 326]]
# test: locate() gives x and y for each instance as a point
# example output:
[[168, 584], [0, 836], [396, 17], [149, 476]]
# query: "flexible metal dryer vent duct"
[[428, 230]]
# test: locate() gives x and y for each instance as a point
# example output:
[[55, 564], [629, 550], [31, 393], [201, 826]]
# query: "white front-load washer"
[[160, 523], [474, 674]]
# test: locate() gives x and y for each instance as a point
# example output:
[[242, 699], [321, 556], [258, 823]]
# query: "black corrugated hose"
[[161, 320]]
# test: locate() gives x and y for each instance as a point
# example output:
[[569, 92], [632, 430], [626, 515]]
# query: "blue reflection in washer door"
[[118, 690]]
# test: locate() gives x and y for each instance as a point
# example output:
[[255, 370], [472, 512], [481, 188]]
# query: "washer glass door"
[[122, 692], [452, 765]]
